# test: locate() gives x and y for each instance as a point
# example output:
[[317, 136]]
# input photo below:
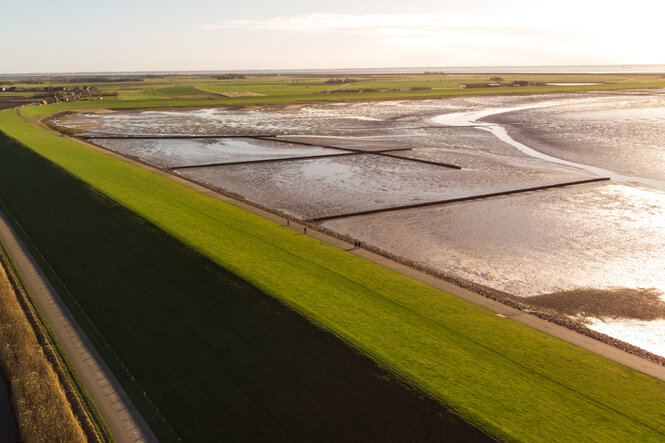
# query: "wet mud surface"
[[326, 187], [625, 303]]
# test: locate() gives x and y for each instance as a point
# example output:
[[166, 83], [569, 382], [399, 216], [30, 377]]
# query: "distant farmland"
[[275, 89]]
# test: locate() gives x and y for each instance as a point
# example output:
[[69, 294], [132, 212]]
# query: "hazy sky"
[[119, 35]]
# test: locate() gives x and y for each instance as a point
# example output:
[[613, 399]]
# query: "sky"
[[166, 35]]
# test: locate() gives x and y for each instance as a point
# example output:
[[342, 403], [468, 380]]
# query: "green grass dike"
[[205, 355], [509, 380]]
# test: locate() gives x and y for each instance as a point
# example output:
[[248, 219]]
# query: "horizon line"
[[628, 67]]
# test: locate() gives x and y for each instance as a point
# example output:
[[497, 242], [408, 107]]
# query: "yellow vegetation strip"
[[46, 402]]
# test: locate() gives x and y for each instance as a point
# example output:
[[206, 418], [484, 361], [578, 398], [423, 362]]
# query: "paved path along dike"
[[120, 414]]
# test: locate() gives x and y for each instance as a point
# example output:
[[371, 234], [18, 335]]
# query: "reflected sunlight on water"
[[649, 335]]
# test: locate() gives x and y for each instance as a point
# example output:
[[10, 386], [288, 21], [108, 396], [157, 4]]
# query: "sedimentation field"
[[212, 309]]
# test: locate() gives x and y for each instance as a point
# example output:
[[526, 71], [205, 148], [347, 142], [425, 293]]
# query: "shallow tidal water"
[[624, 134], [604, 236], [171, 153]]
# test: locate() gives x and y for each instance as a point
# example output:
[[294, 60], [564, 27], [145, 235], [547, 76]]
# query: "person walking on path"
[[305, 230], [288, 222]]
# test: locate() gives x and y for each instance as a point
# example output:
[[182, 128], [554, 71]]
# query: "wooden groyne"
[[171, 137], [266, 160], [382, 152], [457, 200]]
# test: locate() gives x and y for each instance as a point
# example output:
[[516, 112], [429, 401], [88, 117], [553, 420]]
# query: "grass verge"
[[504, 377]]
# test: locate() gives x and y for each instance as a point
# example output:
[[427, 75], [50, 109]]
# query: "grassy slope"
[[509, 379], [218, 357]]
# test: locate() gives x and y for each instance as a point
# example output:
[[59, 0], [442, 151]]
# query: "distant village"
[[56, 94]]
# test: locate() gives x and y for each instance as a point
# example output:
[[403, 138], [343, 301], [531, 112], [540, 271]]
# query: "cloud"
[[366, 24]]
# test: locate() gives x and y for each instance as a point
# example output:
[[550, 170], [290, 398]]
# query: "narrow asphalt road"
[[120, 414]]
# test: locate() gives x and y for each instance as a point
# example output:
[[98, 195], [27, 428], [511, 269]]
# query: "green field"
[[177, 90], [504, 377], [182, 90]]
